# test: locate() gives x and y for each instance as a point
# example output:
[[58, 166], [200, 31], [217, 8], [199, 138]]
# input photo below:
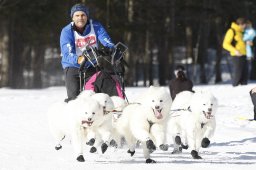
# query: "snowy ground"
[[26, 143]]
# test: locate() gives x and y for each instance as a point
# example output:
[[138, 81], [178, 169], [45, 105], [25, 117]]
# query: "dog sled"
[[109, 65]]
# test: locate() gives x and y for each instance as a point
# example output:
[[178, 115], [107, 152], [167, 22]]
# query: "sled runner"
[[109, 65]]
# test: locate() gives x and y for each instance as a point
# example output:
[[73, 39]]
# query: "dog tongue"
[[158, 114]]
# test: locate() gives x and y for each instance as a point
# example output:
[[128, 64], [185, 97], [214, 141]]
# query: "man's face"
[[242, 26], [80, 19]]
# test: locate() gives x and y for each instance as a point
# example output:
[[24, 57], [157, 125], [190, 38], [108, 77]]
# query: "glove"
[[80, 59]]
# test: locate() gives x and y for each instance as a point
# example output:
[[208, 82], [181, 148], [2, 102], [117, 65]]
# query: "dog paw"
[[195, 155], [93, 149], [104, 147], [164, 147], [131, 152], [150, 161], [150, 145], [58, 147], [91, 142], [113, 143], [80, 158], [177, 140], [205, 142], [184, 146]]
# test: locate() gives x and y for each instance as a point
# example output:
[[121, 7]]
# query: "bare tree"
[[4, 53]]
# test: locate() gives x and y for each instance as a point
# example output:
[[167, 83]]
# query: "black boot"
[[91, 142], [205, 142], [80, 158], [104, 147], [150, 145], [195, 155], [177, 140], [131, 152]]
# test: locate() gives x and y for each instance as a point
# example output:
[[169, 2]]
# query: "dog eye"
[[204, 104], [153, 100], [161, 100], [86, 113], [93, 113]]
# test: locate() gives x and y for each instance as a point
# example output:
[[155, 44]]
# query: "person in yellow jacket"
[[233, 42]]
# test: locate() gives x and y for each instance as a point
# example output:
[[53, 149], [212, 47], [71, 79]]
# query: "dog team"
[[98, 121]]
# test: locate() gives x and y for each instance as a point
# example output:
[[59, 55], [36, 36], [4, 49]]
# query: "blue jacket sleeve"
[[68, 50], [103, 37]]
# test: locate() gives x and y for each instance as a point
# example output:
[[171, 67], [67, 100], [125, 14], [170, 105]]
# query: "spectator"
[[74, 38], [253, 97], [234, 43], [180, 82], [249, 35]]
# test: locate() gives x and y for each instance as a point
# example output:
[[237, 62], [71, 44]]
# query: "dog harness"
[[150, 124]]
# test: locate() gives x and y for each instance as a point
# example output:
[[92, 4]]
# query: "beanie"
[[79, 7]]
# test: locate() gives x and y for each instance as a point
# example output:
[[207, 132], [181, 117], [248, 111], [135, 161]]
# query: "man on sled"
[[79, 42]]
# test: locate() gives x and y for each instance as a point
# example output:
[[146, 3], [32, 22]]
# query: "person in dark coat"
[[180, 83], [253, 97]]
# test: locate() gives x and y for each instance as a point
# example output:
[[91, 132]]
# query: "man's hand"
[[250, 43], [80, 59], [237, 53]]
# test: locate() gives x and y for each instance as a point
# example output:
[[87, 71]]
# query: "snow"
[[26, 143]]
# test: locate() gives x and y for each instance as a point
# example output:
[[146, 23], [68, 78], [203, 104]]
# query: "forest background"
[[160, 34]]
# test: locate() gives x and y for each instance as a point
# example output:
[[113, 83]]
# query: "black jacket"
[[178, 85]]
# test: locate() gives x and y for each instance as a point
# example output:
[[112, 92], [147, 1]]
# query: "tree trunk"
[[171, 39], [4, 53], [189, 48], [130, 71], [16, 79], [37, 63], [218, 50], [164, 52], [203, 41]]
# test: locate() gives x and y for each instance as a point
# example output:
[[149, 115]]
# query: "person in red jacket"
[[180, 83]]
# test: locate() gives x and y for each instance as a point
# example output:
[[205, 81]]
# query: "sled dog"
[[145, 121], [72, 119], [119, 105], [192, 121], [101, 134]]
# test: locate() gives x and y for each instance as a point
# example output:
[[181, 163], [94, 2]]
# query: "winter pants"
[[72, 83], [240, 70], [253, 97]]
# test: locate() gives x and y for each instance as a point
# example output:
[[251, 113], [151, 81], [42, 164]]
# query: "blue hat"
[[79, 7]]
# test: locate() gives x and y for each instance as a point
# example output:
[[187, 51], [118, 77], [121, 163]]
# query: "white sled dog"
[[119, 105], [72, 119], [101, 134], [85, 94], [192, 121], [145, 121]]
